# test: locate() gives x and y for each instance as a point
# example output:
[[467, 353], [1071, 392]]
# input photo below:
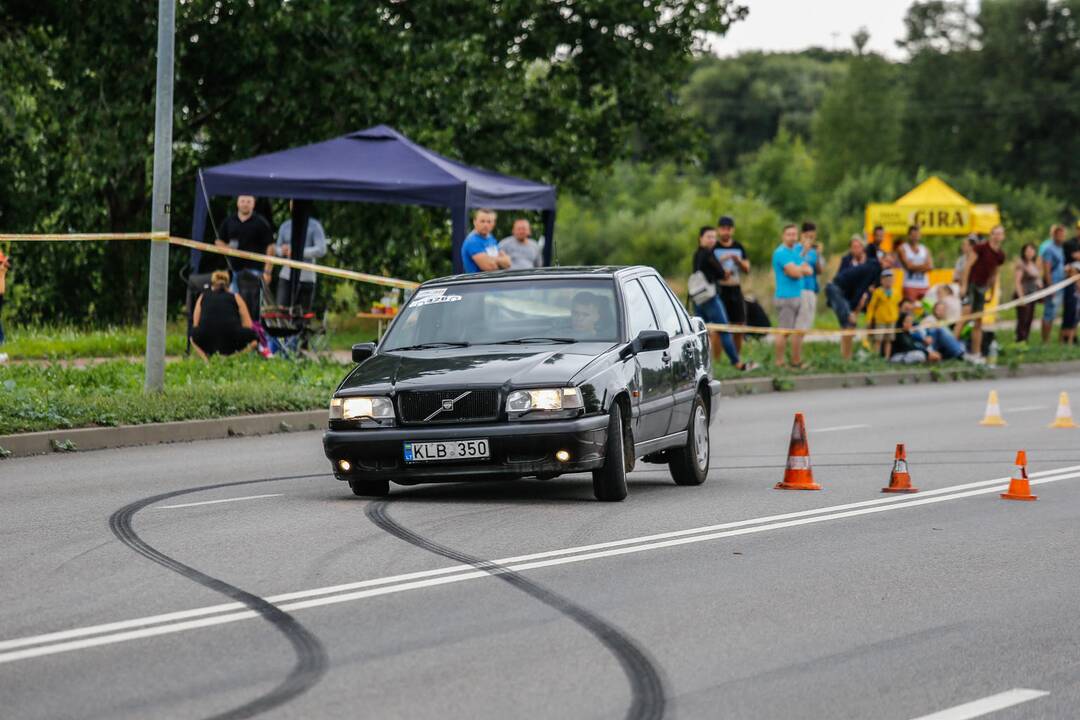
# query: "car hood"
[[488, 365]]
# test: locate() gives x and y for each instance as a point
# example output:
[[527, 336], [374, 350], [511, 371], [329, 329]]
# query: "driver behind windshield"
[[586, 310]]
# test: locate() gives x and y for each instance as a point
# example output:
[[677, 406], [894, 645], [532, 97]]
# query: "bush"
[[641, 214]]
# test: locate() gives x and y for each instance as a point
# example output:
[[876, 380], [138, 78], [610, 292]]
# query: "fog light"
[[344, 465], [562, 456]]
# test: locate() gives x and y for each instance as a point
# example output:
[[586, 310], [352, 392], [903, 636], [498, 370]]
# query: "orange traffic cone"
[[797, 474], [1019, 488], [1064, 418], [993, 411], [899, 479]]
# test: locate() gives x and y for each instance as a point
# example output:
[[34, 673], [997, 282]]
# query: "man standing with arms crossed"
[[789, 269], [480, 251], [524, 252], [732, 257]]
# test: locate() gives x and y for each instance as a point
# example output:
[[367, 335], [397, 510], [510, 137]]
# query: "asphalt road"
[[237, 578]]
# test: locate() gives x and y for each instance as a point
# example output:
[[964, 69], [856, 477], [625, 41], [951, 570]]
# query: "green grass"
[[62, 343], [46, 397], [824, 358], [67, 343]]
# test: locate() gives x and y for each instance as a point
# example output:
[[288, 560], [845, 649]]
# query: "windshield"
[[511, 312]]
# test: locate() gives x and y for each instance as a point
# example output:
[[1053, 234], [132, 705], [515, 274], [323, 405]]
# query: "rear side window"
[[661, 302], [639, 314]]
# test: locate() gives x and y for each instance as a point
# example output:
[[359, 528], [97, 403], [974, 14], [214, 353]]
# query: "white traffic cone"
[[1064, 418]]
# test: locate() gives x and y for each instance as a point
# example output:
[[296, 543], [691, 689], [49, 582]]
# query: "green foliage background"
[[646, 134]]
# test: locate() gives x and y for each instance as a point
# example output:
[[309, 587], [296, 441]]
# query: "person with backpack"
[[702, 285]]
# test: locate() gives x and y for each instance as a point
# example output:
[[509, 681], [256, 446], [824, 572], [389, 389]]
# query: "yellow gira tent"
[[936, 208]]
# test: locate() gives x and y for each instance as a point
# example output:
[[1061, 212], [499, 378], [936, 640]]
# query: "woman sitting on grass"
[[222, 323]]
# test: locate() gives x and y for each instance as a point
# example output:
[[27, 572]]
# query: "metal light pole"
[[157, 301]]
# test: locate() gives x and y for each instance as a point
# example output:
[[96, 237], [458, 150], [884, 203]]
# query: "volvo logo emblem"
[[447, 405]]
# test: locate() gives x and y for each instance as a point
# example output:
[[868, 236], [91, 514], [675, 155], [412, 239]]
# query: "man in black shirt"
[[1071, 308], [249, 231], [732, 257]]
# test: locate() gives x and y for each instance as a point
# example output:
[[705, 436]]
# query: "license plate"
[[446, 450]]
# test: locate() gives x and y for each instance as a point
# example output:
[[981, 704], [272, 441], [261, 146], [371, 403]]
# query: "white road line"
[[215, 502], [405, 577], [838, 427], [1027, 408], [181, 620], [986, 705]]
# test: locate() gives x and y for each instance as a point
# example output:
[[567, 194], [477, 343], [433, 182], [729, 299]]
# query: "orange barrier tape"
[[1026, 300], [231, 252]]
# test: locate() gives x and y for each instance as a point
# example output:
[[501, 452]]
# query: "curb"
[[100, 438], [757, 385]]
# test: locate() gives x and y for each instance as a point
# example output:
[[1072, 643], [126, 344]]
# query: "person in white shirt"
[[916, 260], [524, 252]]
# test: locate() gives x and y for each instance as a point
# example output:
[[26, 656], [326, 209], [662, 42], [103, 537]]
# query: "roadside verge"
[[100, 438], [787, 383]]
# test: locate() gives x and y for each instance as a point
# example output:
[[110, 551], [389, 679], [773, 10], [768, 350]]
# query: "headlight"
[[521, 401], [353, 408]]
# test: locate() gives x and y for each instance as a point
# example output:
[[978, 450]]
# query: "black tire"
[[369, 488], [689, 464], [609, 481]]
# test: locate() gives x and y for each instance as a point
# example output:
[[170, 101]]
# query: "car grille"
[[417, 407]]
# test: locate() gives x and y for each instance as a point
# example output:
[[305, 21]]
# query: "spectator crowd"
[[912, 320]]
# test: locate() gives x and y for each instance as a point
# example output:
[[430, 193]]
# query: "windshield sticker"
[[434, 300], [430, 292]]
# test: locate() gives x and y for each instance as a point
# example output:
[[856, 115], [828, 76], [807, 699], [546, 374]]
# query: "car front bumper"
[[518, 449]]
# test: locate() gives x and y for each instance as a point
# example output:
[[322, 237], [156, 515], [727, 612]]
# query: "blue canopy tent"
[[378, 165]]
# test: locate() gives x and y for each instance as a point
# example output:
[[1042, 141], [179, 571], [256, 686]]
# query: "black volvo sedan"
[[535, 373]]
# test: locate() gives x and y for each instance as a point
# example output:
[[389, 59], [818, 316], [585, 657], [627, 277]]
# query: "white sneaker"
[[3, 358]]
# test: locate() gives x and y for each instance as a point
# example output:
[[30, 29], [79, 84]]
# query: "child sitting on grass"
[[882, 311]]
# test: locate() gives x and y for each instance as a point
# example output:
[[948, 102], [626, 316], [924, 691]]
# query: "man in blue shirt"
[[480, 251], [789, 269], [811, 252], [1052, 254]]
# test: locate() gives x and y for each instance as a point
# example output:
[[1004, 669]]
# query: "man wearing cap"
[[732, 257]]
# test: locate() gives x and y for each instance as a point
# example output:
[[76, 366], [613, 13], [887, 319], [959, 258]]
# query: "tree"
[[860, 40], [742, 102], [939, 26], [857, 124], [549, 90]]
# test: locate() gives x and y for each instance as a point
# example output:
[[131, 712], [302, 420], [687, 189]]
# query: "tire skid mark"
[[648, 697], [311, 661]]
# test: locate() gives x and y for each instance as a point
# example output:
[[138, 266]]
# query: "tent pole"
[[301, 213], [458, 220], [548, 218]]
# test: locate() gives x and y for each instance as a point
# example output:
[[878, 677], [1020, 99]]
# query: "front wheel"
[[609, 481], [369, 488], [689, 464]]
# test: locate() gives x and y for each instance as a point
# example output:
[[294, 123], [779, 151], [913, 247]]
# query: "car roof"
[[566, 272]]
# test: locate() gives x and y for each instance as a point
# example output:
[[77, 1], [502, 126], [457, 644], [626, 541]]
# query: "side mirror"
[[645, 341], [362, 351]]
